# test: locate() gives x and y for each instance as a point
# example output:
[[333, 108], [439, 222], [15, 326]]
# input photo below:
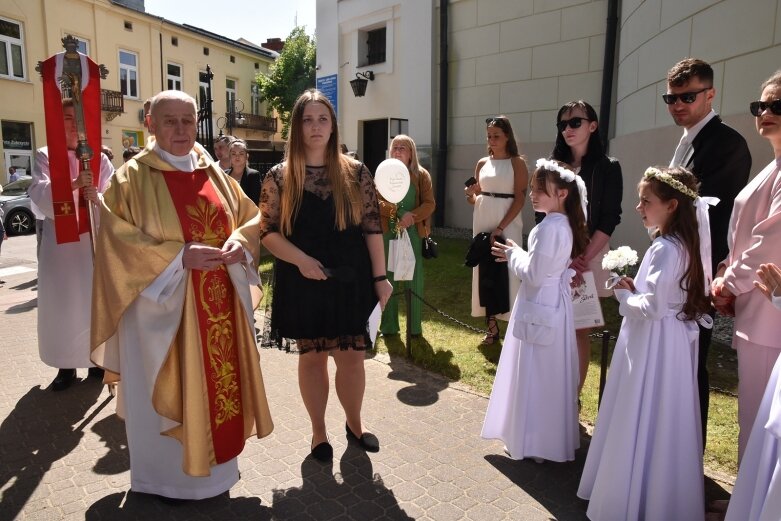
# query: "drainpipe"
[[439, 215], [608, 66], [162, 73]]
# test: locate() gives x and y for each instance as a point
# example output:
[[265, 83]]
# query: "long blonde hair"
[[341, 171], [414, 166]]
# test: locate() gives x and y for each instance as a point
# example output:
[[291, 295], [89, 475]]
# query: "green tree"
[[289, 76]]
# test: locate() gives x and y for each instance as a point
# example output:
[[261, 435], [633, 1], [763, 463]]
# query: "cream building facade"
[[526, 58], [144, 55]]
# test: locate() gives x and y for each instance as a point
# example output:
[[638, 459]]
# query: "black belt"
[[501, 196]]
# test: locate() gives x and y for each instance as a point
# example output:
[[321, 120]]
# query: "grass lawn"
[[455, 351]]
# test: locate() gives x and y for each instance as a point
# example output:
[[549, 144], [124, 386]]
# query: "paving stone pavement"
[[64, 455]]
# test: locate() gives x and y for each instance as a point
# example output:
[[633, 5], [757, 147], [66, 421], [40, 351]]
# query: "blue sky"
[[254, 20]]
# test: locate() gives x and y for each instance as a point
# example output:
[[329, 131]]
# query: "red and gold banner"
[[67, 226], [204, 220]]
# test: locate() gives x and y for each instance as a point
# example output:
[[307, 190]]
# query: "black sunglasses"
[[686, 97], [572, 122], [758, 107]]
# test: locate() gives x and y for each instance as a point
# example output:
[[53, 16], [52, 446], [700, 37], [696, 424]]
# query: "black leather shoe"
[[64, 379], [367, 441], [323, 452], [95, 372]]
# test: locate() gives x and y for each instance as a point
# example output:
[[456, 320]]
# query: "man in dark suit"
[[719, 157]]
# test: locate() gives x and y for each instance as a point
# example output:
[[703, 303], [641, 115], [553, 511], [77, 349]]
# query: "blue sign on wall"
[[328, 85]]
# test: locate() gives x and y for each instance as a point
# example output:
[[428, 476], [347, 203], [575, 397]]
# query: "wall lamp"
[[359, 83]]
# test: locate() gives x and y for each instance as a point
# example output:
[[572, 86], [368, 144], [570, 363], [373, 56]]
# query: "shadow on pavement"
[[111, 431], [131, 505], [426, 386], [355, 492], [27, 285], [42, 428], [22, 307], [553, 485]]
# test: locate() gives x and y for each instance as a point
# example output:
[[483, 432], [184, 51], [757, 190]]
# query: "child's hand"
[[721, 297], [770, 275], [499, 250], [626, 283]]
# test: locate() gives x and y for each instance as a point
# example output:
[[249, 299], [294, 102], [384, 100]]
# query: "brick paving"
[[64, 455]]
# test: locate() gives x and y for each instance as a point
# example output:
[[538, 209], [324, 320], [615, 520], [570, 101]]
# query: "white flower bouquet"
[[618, 262]]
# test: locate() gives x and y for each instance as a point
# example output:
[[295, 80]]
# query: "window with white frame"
[[372, 46], [83, 47], [256, 99], [11, 49], [174, 76], [128, 74], [230, 93]]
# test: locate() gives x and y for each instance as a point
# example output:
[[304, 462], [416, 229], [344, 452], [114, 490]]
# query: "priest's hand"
[[199, 256], [83, 180], [232, 252]]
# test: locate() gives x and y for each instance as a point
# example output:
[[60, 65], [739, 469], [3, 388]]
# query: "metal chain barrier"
[[451, 318], [604, 336]]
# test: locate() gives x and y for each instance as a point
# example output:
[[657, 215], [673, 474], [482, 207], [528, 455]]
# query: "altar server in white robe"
[[65, 270]]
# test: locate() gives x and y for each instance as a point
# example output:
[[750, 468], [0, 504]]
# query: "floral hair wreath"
[[670, 181], [701, 205], [568, 176]]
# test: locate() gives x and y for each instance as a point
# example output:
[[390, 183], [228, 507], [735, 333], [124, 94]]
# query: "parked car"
[[18, 216]]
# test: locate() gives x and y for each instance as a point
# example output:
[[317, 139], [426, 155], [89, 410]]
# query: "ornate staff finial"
[[71, 45]]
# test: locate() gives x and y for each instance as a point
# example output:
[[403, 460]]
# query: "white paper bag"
[[404, 258], [392, 255]]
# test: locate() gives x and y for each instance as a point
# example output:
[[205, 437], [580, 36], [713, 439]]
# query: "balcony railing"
[[254, 122], [112, 102]]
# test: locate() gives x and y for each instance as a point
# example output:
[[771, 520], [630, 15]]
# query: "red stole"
[[203, 219], [67, 227]]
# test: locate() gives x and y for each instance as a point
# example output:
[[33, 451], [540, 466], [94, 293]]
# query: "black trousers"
[[703, 384]]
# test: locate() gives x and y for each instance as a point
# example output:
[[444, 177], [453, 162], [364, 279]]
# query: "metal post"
[[603, 364], [408, 298]]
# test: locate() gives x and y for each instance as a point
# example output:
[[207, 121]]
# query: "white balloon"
[[392, 180]]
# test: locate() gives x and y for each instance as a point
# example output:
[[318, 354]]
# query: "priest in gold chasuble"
[[172, 313]]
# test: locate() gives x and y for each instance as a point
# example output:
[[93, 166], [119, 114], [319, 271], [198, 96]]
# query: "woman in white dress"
[[533, 406], [498, 194], [645, 458]]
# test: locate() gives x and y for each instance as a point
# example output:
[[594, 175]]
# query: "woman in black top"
[[249, 179], [578, 143], [321, 220]]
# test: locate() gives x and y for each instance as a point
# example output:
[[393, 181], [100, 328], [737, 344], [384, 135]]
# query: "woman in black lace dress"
[[321, 220]]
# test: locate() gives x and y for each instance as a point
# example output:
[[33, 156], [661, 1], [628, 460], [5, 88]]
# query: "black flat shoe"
[[367, 441], [95, 372], [323, 452], [64, 379]]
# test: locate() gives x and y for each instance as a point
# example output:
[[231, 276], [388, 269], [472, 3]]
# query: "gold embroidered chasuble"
[[139, 236]]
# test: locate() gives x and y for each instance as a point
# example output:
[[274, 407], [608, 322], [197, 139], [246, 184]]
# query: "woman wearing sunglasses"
[[754, 237], [579, 144], [497, 194]]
